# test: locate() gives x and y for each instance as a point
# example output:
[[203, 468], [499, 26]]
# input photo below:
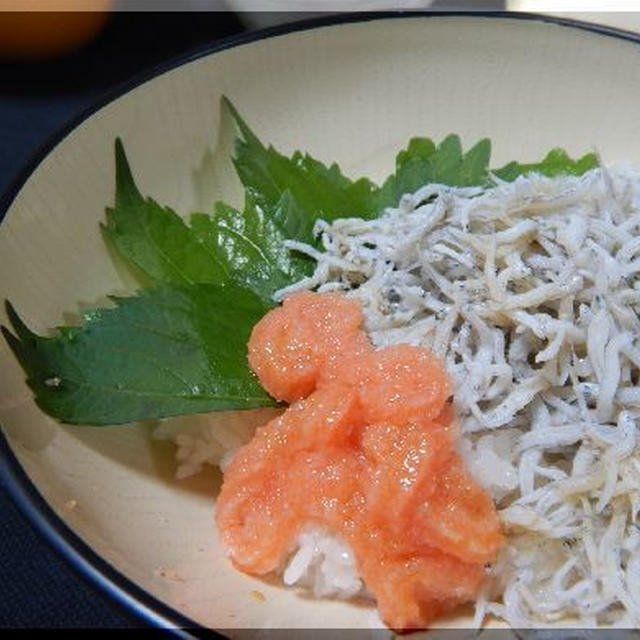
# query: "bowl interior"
[[352, 92]]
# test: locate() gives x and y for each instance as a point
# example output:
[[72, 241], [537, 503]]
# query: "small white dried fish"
[[530, 291]]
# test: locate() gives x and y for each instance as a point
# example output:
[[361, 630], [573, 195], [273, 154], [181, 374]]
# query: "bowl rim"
[[95, 570]]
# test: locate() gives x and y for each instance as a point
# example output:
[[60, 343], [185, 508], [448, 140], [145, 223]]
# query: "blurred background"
[[56, 65]]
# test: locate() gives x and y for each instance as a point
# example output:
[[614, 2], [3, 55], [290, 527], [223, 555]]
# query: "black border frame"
[[89, 565]]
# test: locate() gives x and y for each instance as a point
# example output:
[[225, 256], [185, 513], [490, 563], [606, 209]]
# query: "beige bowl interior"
[[354, 93]]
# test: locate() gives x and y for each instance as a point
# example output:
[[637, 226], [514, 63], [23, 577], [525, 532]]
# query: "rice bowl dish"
[[527, 290]]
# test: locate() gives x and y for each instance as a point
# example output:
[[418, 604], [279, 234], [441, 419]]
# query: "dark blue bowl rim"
[[93, 568]]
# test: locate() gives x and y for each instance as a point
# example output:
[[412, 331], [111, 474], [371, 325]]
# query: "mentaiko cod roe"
[[367, 451]]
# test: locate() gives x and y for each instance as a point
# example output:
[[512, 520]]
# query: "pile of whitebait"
[[530, 292]]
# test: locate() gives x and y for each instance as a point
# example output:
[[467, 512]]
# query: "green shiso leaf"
[[556, 162], [315, 190], [230, 247], [168, 351], [155, 239], [180, 346], [251, 245], [422, 162]]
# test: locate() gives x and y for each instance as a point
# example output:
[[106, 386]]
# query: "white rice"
[[210, 438], [325, 565], [530, 292]]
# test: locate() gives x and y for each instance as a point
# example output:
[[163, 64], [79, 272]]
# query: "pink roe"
[[367, 451]]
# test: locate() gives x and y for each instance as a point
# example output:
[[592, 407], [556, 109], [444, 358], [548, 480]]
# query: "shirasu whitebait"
[[530, 292]]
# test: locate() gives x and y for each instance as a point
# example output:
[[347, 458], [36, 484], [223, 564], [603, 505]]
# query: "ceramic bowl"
[[353, 90]]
